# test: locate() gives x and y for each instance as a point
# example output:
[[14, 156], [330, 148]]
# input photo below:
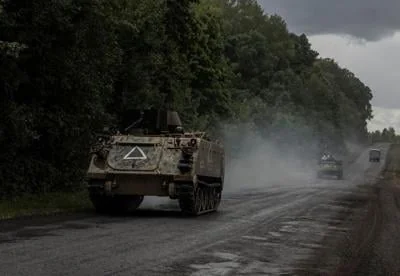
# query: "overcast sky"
[[361, 35]]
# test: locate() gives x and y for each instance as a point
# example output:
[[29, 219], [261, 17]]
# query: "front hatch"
[[135, 156]]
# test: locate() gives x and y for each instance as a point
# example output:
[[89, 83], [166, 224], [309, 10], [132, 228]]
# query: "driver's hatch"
[[135, 156]]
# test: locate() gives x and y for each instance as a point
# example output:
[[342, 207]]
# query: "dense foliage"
[[68, 67]]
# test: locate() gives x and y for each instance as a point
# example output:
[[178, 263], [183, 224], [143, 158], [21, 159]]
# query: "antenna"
[[136, 122]]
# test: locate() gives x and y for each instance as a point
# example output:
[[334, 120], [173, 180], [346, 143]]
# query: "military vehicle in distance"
[[374, 155], [153, 156], [330, 166]]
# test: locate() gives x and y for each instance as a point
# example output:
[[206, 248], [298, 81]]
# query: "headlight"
[[193, 142]]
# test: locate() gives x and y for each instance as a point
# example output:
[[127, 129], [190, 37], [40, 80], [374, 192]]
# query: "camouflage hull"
[[187, 168]]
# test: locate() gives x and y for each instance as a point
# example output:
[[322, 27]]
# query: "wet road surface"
[[269, 231]]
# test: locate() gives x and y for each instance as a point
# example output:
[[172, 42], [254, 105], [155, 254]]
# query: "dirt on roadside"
[[381, 258], [371, 243]]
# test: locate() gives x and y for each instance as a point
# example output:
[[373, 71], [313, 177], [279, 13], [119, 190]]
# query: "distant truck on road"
[[374, 155]]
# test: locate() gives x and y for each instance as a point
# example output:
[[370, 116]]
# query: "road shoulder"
[[369, 243]]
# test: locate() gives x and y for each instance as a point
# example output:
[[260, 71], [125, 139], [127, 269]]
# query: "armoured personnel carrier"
[[330, 166], [154, 156]]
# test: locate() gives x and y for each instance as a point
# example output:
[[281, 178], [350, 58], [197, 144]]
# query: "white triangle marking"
[[142, 157]]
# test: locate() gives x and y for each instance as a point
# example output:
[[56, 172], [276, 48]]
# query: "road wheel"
[[217, 195], [100, 203], [190, 199], [198, 200], [136, 200]]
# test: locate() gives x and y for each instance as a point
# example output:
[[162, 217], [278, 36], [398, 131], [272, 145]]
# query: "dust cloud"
[[353, 147], [252, 161]]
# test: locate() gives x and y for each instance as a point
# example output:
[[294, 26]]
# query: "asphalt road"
[[269, 231]]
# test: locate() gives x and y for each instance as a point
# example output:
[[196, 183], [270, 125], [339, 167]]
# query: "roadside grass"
[[51, 203]]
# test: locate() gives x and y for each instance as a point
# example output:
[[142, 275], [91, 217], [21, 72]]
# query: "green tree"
[[55, 91], [69, 67]]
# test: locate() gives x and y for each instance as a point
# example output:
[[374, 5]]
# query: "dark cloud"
[[368, 19]]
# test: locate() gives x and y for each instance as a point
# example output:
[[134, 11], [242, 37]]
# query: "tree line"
[[388, 135], [68, 68]]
